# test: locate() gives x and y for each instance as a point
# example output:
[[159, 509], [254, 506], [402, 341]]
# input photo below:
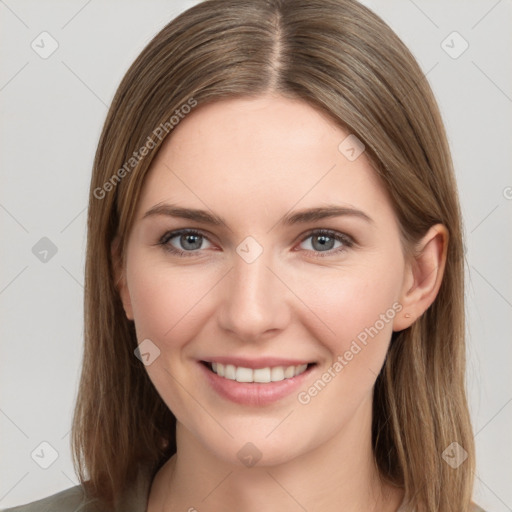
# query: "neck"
[[339, 474]]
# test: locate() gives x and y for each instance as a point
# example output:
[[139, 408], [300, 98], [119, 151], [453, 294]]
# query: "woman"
[[274, 281]]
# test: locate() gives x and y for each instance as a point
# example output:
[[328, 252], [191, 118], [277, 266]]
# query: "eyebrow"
[[297, 217]]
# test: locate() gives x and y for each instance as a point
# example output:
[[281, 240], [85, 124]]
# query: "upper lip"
[[261, 362]]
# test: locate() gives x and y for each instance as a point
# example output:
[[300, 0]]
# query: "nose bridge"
[[254, 300]]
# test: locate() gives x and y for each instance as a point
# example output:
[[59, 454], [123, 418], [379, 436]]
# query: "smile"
[[260, 375], [256, 382]]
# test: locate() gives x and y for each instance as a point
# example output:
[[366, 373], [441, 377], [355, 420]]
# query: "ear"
[[423, 276], [120, 277]]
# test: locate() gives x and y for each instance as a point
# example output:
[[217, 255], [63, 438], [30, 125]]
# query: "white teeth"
[[277, 374], [262, 375], [289, 372], [230, 372], [243, 375]]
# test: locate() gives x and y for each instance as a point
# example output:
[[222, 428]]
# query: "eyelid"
[[346, 240], [169, 235]]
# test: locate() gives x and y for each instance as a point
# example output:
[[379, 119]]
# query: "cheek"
[[351, 301], [359, 307], [166, 301], [168, 309]]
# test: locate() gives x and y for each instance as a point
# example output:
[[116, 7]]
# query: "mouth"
[[257, 375], [256, 383]]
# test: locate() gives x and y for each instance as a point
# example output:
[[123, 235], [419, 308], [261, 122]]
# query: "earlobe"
[[424, 275], [120, 278]]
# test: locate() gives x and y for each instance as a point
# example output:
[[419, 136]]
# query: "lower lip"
[[254, 393]]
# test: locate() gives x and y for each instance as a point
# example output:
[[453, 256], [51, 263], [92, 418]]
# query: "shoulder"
[[69, 500], [74, 499]]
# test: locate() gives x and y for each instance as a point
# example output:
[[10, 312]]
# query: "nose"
[[255, 300]]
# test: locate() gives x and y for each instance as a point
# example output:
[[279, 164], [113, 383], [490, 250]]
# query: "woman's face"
[[291, 275]]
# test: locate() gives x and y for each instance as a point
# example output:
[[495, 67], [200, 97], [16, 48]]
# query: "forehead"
[[255, 155]]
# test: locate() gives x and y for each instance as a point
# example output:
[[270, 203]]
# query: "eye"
[[184, 242], [321, 242], [327, 242]]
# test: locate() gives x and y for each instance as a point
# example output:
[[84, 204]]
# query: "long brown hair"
[[339, 57]]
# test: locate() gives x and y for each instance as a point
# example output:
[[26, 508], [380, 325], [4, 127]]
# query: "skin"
[[253, 161]]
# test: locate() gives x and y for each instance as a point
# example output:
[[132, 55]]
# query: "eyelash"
[[347, 242]]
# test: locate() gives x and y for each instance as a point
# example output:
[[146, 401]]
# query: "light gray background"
[[52, 111]]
